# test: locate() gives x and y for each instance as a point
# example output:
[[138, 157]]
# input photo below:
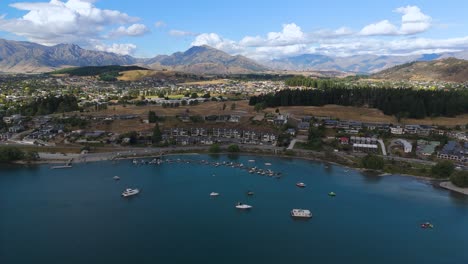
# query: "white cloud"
[[383, 27], [122, 49], [72, 21], [290, 35], [160, 24], [216, 41], [181, 33], [413, 20], [133, 31]]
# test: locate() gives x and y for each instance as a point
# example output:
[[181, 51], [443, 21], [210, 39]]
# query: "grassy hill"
[[450, 69], [96, 70]]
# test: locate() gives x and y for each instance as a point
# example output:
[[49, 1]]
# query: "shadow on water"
[[232, 156], [214, 156], [458, 198], [371, 177]]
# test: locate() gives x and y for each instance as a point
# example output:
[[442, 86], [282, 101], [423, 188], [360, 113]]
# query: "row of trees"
[[50, 105], [10, 154], [392, 101]]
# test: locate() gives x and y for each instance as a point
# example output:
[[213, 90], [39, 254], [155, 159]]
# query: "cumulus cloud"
[[290, 35], [218, 42], [383, 27], [72, 21], [122, 49], [133, 31], [181, 33], [413, 21]]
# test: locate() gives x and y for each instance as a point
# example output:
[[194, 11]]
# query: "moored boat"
[[242, 206], [332, 194], [116, 178], [130, 192], [301, 213], [301, 185], [214, 194]]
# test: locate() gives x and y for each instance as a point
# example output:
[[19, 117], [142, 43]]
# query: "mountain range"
[[20, 56], [361, 64], [27, 57]]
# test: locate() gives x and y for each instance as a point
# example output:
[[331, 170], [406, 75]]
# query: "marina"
[[176, 220]]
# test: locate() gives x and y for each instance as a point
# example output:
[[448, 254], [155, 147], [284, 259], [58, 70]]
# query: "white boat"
[[301, 185], [267, 164], [214, 194], [251, 160], [116, 178], [301, 213], [129, 192], [243, 206]]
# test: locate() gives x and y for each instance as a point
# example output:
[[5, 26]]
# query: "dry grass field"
[[246, 111], [219, 81]]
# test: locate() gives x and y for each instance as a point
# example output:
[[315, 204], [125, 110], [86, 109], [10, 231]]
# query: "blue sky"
[[258, 29]]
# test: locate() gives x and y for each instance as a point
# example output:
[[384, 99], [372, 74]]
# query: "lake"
[[77, 215]]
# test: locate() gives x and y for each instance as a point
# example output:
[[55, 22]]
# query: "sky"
[[261, 30]]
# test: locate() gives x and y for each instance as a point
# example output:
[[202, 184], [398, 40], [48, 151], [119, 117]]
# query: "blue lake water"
[[78, 215]]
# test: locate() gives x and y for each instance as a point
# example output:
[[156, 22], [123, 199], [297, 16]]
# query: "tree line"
[[50, 104], [400, 102]]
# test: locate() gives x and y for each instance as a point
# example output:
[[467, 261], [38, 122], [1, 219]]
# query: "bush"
[[373, 162], [215, 148], [442, 169], [9, 154], [460, 179], [233, 148]]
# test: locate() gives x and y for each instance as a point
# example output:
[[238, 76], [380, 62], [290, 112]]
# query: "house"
[[303, 126], [407, 146], [454, 151], [291, 131], [412, 129], [280, 120], [373, 148], [234, 119], [16, 129], [344, 140], [12, 119], [306, 119], [330, 123], [396, 130]]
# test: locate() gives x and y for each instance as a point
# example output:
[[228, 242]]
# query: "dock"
[[66, 166]]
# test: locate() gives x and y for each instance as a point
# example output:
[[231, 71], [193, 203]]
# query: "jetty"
[[66, 166]]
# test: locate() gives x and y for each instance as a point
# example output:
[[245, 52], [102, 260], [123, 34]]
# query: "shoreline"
[[54, 159]]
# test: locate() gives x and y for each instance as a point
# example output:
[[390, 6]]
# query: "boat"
[[243, 206], [331, 194], [267, 164], [301, 184], [427, 225], [116, 178], [301, 213], [214, 194], [251, 160], [130, 192], [250, 193]]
